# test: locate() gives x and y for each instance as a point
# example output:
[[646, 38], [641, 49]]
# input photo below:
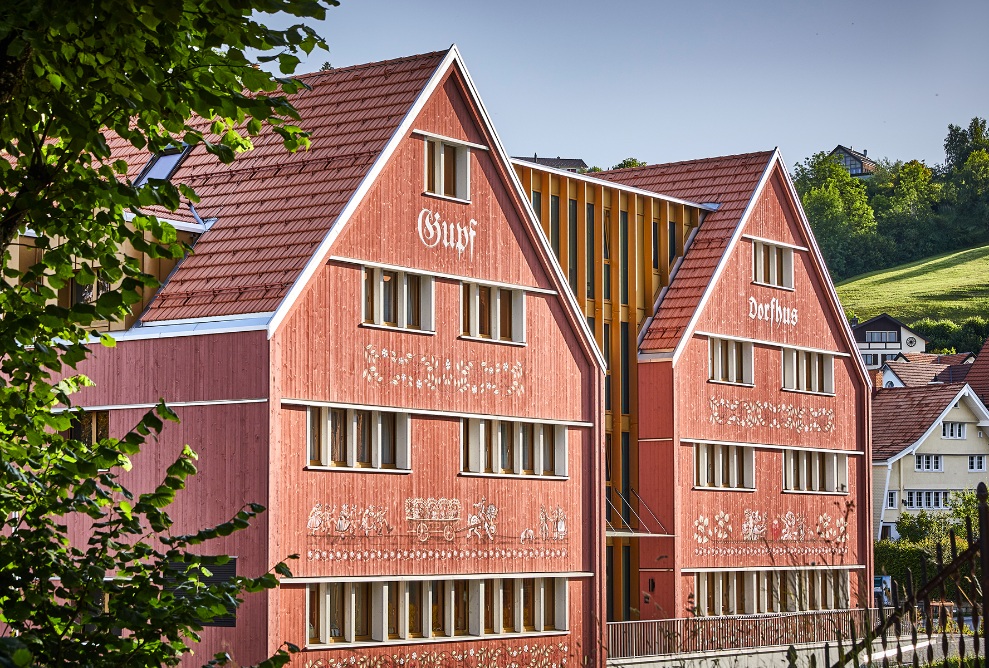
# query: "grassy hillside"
[[954, 285]]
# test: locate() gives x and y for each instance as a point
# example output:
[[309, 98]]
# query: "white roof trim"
[[449, 140], [322, 251], [321, 255], [736, 235], [973, 402], [611, 184], [773, 242], [177, 224], [498, 148]]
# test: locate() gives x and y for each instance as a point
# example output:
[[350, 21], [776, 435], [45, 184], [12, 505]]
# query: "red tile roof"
[[915, 374], [978, 376], [901, 415], [934, 358], [273, 208], [729, 181]]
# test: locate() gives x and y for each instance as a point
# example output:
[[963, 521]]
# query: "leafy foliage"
[[629, 162], [945, 334], [72, 76]]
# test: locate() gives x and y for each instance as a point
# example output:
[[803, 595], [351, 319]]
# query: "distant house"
[[575, 165], [927, 442], [978, 376], [857, 164], [883, 338]]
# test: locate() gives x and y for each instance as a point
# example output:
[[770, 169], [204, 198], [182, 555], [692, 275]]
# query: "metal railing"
[[703, 634]]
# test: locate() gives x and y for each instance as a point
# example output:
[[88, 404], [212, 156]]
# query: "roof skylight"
[[162, 165]]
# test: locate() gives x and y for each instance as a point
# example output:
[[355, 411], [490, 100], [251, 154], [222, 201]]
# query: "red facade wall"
[[709, 524], [322, 353]]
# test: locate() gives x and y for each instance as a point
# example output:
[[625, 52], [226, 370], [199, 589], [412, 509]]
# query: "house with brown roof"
[[978, 376], [902, 373], [927, 442]]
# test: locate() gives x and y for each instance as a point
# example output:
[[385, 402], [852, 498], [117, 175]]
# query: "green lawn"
[[954, 285]]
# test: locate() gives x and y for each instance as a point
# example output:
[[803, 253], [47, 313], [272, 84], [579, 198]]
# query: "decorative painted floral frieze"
[[428, 519], [435, 374], [759, 536], [526, 655], [746, 413]]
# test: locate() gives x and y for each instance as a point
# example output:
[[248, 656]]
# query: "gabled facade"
[[927, 442], [372, 340], [883, 338], [753, 412], [904, 373], [856, 163]]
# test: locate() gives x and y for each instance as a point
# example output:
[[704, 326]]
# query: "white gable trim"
[[498, 148], [736, 235], [971, 400], [321, 254], [322, 251]]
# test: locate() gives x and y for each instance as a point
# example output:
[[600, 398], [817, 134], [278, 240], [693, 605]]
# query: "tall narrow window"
[[335, 610], [338, 437], [450, 170], [460, 607], [528, 604], [623, 253], [315, 614], [528, 447], [554, 224], [572, 244], [362, 610], [671, 231], [369, 290], [655, 245], [606, 351], [413, 301], [537, 204], [508, 606], [432, 160], [389, 297], [484, 311], [505, 304], [487, 447], [490, 591], [438, 612], [549, 451], [388, 440], [606, 267], [626, 399], [507, 448], [363, 433], [415, 608], [394, 601], [591, 258], [549, 604], [466, 307], [316, 429]]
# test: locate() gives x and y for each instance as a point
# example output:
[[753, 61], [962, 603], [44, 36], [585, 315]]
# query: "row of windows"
[[368, 439], [765, 591], [873, 359], [808, 471], [931, 499], [347, 612], [521, 448], [952, 430], [733, 466], [405, 300], [882, 337], [720, 465], [730, 361], [772, 265], [928, 463]]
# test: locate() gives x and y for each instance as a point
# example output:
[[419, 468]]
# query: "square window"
[[730, 361], [447, 169], [489, 312], [808, 371], [395, 298], [772, 265]]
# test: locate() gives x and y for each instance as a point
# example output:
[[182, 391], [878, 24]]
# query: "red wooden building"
[[752, 413], [373, 340]]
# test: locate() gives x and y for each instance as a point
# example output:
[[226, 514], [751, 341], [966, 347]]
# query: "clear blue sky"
[[667, 81]]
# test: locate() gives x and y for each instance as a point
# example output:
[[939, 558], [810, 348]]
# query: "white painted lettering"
[[772, 311], [454, 236]]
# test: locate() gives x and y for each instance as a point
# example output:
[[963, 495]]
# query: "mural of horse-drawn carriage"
[[433, 516]]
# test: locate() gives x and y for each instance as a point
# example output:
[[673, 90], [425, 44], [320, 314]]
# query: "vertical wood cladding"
[[347, 523], [765, 527]]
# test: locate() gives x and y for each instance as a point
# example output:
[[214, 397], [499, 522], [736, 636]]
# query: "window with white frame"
[[394, 298], [492, 312], [882, 337], [772, 264], [718, 465], [518, 448], [976, 463], [447, 169], [398, 611], [952, 430], [358, 438], [808, 371], [729, 592], [927, 499], [730, 361], [927, 463], [891, 500], [815, 471]]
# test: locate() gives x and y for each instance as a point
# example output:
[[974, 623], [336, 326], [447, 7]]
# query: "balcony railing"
[[702, 634]]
